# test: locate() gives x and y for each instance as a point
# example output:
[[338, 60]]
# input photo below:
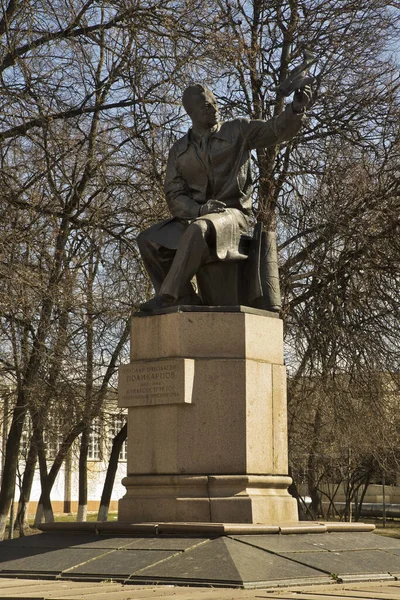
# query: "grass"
[[91, 516], [60, 518], [392, 528]]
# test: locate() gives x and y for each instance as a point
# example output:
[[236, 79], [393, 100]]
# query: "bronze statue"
[[208, 189]]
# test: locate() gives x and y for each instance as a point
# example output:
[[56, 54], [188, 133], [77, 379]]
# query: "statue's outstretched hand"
[[302, 99], [212, 206]]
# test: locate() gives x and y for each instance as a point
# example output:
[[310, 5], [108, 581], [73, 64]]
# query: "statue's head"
[[201, 105]]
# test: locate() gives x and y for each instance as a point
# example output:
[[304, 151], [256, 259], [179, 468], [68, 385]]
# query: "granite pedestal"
[[207, 432]]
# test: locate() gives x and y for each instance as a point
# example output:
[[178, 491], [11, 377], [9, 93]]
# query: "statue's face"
[[203, 109]]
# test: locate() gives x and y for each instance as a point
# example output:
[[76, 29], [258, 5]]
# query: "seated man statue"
[[208, 188]]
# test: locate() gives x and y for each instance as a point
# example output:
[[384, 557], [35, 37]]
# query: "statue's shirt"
[[219, 167]]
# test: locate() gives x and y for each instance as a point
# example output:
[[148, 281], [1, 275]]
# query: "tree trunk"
[[358, 505], [312, 466], [21, 521], [111, 472], [44, 512], [83, 454], [79, 427], [11, 461]]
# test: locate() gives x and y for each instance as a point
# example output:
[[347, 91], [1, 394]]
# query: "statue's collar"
[[217, 131], [220, 133], [196, 135]]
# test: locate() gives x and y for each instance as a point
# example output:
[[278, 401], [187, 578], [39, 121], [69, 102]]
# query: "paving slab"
[[126, 542], [326, 596], [363, 562], [228, 561], [119, 564], [395, 551], [388, 588], [111, 591], [286, 543], [66, 540], [360, 594], [333, 542], [339, 541], [57, 590], [24, 560], [335, 591], [8, 554], [165, 543], [237, 560]]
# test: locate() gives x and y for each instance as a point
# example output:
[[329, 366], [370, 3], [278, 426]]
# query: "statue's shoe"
[[157, 302], [163, 301]]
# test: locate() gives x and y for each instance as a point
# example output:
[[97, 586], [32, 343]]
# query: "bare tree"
[[331, 194], [90, 104], [84, 96]]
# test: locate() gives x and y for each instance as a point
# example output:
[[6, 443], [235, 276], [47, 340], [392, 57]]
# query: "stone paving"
[[34, 589], [201, 562]]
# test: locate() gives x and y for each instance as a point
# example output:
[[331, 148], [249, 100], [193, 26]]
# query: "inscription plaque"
[[149, 383]]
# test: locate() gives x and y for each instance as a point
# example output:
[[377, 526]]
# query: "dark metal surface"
[[210, 560]]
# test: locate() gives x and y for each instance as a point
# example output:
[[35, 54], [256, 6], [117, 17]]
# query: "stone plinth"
[[207, 433]]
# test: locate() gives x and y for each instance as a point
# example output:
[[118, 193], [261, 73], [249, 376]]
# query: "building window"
[[26, 439], [53, 436], [94, 441]]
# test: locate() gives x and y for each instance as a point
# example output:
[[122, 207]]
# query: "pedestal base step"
[[207, 498], [197, 554], [202, 529]]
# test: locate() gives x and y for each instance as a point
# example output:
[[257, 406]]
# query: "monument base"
[[213, 499], [207, 421], [209, 554]]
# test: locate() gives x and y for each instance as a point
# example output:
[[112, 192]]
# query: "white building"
[[64, 495]]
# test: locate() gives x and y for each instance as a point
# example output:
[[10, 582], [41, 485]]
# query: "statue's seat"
[[249, 282]]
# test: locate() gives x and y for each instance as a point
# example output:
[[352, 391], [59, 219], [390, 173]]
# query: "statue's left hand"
[[302, 99], [212, 206]]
